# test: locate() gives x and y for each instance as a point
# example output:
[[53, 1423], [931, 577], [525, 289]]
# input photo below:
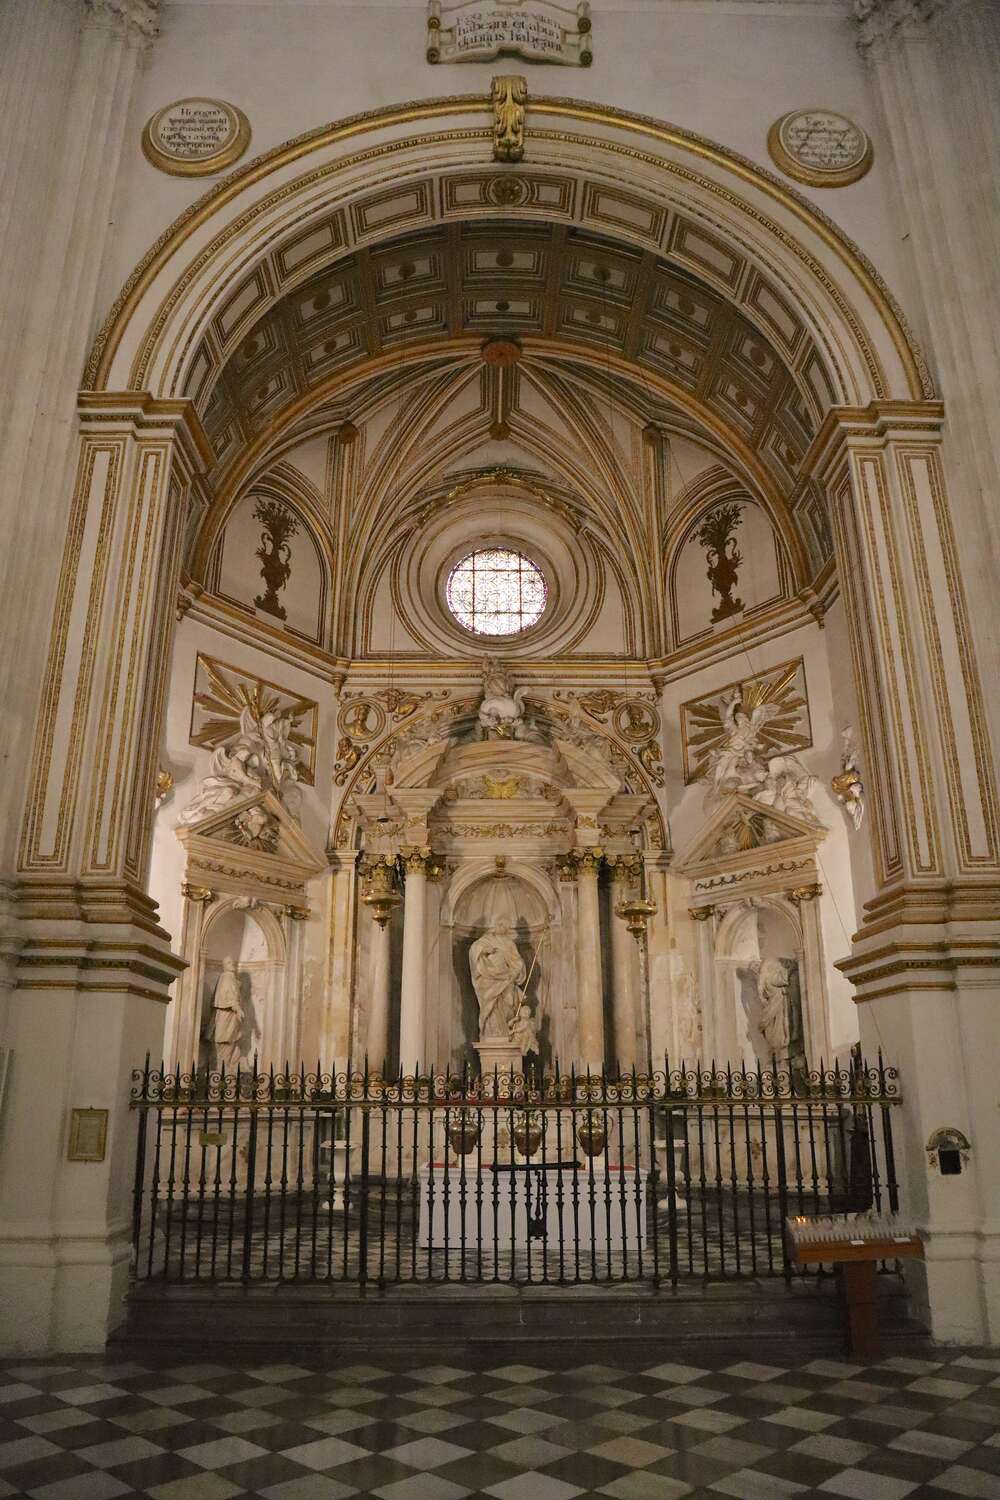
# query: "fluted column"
[[413, 988], [379, 1002], [589, 967], [624, 963]]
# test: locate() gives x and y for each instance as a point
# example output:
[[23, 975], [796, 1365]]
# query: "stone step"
[[317, 1321]]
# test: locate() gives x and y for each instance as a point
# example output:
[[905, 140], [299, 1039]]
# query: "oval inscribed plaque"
[[196, 136]]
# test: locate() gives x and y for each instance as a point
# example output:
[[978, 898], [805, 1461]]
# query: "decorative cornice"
[[879, 20], [139, 18]]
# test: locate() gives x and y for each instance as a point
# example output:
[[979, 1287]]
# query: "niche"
[[477, 909], [251, 935]]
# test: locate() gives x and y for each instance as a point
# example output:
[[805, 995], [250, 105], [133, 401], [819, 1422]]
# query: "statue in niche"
[[501, 713], [722, 553], [689, 1034], [261, 758], [498, 976], [274, 553], [775, 1009], [224, 1024]]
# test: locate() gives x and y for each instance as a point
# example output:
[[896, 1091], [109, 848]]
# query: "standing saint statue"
[[224, 1024], [498, 973]]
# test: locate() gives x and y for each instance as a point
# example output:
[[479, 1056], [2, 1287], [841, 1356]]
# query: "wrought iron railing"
[[687, 1173]]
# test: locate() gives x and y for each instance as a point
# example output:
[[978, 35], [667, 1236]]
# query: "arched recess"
[[278, 520], [151, 336], [762, 578]]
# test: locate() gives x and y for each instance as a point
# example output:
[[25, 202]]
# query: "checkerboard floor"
[[636, 1428]]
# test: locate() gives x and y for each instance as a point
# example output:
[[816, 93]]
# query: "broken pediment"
[[742, 835], [253, 846]]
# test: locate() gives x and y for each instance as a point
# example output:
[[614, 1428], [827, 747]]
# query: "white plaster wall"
[[723, 70]]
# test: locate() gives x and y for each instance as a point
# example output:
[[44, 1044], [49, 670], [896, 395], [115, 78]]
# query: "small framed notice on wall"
[[88, 1135]]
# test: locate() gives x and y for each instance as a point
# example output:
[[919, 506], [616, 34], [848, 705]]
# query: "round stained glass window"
[[495, 591]]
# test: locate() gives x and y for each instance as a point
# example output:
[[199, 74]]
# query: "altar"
[[558, 1207]]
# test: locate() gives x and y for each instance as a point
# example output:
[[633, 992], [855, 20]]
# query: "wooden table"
[[856, 1258]]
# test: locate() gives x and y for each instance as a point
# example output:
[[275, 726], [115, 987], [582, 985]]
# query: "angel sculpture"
[[501, 713], [848, 787], [739, 764]]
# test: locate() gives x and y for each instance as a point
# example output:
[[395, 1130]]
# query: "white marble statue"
[[788, 787], [741, 763], [774, 1011], [261, 758], [524, 1032], [498, 973], [224, 1024], [501, 712]]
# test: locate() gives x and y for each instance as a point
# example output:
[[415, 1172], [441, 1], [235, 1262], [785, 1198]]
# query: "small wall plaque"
[[194, 137], [820, 147], [88, 1135], [537, 30]]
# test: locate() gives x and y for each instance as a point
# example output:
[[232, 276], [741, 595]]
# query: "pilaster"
[[926, 961]]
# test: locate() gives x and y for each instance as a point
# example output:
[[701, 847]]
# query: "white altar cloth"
[[510, 1206]]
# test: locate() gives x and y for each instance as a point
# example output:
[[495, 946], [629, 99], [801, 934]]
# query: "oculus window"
[[496, 591]]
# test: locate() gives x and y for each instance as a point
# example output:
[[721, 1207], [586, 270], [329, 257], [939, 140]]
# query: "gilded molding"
[[110, 335]]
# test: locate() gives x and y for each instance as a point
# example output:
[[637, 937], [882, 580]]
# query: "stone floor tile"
[[630, 1452], [426, 1453], [94, 1486], [197, 1487], [534, 1487], [529, 1452], [672, 1374], [960, 1479], [223, 1451], [642, 1485], [309, 1487], [326, 1453], [751, 1484], [858, 1484], [422, 1487]]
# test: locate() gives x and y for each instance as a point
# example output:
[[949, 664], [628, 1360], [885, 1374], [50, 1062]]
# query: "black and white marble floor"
[[636, 1428]]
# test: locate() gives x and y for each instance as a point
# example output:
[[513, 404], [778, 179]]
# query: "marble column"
[[413, 988], [704, 918], [590, 984], [337, 1033], [624, 964], [379, 1001]]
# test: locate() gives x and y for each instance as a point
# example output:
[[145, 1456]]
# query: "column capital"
[[142, 415], [623, 868], [879, 21], [879, 423], [419, 860], [139, 19], [588, 861]]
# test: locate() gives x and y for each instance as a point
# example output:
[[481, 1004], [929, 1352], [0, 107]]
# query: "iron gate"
[[440, 1177]]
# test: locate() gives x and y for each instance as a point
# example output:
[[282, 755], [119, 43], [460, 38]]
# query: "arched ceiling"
[[724, 337]]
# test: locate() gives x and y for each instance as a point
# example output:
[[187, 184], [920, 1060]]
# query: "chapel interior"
[[501, 551]]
